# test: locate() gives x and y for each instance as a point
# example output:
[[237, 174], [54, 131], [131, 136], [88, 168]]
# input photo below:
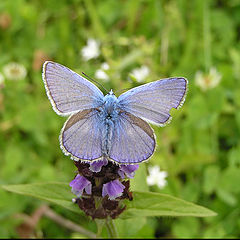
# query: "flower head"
[[101, 73], [14, 71], [156, 177], [105, 185], [91, 50], [208, 81], [140, 73], [105, 66]]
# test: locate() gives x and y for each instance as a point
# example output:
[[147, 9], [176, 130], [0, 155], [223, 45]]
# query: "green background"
[[200, 148]]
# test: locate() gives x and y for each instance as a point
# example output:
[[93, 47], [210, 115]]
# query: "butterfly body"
[[107, 127], [108, 115]]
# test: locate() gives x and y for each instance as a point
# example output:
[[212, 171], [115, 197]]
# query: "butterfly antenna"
[[95, 81]]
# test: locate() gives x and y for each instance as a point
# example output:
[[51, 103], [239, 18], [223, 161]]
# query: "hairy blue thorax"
[[110, 105]]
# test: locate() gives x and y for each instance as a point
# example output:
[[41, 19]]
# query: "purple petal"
[[121, 173], [113, 189], [128, 170], [97, 165], [88, 189], [79, 184]]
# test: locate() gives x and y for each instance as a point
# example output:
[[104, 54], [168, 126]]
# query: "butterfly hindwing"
[[81, 136], [133, 140], [153, 101], [69, 92]]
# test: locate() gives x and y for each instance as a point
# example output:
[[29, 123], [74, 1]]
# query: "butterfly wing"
[[81, 136], [133, 140], [153, 101], [69, 92]]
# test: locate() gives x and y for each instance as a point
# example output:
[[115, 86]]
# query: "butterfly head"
[[111, 92]]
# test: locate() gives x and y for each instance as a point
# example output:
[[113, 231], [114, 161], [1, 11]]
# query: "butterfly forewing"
[[69, 92], [81, 136], [133, 140], [153, 101]]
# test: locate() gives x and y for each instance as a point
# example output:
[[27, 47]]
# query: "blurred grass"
[[200, 149]]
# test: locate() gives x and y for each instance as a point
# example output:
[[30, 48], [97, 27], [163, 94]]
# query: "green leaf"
[[145, 204], [54, 192], [149, 204]]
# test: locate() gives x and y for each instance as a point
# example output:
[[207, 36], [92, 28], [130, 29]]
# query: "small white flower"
[[101, 74], [141, 73], [105, 66], [207, 81], [156, 177], [2, 79], [14, 71], [91, 50]]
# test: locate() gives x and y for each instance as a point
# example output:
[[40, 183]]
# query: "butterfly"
[[108, 127]]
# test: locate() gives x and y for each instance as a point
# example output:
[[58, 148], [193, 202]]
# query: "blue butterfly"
[[106, 127]]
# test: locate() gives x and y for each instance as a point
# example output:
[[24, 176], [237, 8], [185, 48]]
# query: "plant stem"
[[67, 223], [100, 224], [112, 231]]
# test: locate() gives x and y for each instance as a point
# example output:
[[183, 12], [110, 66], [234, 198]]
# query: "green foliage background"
[[200, 149]]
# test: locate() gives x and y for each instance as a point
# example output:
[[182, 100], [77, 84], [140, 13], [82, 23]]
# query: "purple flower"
[[97, 165], [78, 184], [128, 170], [113, 189]]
